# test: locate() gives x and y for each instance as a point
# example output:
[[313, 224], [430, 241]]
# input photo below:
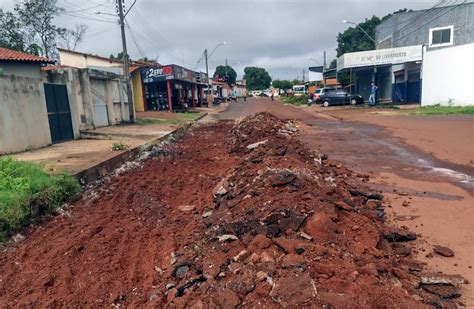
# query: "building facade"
[[404, 42]]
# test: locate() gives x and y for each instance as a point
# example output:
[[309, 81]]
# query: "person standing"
[[272, 95], [373, 94]]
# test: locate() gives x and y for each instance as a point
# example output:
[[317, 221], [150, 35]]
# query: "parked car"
[[317, 94], [339, 97]]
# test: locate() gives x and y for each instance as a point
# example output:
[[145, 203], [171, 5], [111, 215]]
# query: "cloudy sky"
[[279, 35]]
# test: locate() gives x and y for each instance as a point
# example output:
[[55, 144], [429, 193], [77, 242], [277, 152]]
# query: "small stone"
[[227, 299], [170, 285], [241, 256], [266, 257], [221, 188], [186, 208], [292, 260], [342, 205], [259, 242], [159, 270], [227, 238], [255, 145], [180, 271], [405, 204], [438, 278], [207, 214], [18, 238], [255, 258], [443, 251], [417, 297], [294, 292], [153, 295], [396, 234], [445, 291], [355, 228], [261, 275], [306, 236]]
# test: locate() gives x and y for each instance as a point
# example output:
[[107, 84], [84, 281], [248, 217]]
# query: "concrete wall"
[[21, 69], [413, 28], [138, 92], [84, 61], [23, 118], [447, 76]]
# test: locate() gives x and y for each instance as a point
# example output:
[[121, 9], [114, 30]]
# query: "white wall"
[[23, 118], [448, 76]]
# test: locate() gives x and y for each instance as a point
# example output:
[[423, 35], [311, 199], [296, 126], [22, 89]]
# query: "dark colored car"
[[339, 97]]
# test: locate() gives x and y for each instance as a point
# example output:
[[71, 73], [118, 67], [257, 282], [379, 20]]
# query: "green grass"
[[443, 110], [27, 192], [181, 118], [301, 100]]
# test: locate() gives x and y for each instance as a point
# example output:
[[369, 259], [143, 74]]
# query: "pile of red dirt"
[[232, 215]]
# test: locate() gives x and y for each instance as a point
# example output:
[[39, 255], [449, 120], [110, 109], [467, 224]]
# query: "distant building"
[[16, 63], [421, 57]]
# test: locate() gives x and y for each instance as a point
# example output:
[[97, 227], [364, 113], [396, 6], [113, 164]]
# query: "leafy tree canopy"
[[30, 28], [282, 84], [227, 73], [257, 78]]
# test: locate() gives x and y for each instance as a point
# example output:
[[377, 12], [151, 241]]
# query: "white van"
[[299, 90]]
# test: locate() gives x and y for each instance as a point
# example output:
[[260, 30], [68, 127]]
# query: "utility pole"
[[226, 72], [209, 90], [324, 69], [131, 108], [303, 75]]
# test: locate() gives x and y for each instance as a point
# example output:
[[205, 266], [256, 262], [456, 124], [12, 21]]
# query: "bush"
[[27, 192], [296, 100]]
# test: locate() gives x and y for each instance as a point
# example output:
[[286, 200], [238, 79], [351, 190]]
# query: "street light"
[[207, 56], [358, 26]]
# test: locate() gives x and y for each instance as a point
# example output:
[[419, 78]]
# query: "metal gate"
[[59, 114], [99, 103]]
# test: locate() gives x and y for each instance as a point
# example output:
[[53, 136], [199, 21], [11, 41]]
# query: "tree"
[[257, 78], [284, 85], [36, 17], [71, 38], [119, 57], [226, 72], [11, 34], [146, 59]]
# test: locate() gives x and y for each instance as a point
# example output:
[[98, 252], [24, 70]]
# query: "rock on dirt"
[[295, 290], [443, 251]]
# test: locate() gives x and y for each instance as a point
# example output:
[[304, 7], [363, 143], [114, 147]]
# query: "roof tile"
[[13, 55]]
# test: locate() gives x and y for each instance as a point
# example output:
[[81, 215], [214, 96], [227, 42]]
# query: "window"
[[442, 36]]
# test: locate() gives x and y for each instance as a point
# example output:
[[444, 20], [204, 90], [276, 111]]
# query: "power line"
[[135, 41]]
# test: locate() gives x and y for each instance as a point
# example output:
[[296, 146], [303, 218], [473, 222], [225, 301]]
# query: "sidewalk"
[[93, 151]]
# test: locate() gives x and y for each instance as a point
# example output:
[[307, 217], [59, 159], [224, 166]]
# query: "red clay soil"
[[215, 220]]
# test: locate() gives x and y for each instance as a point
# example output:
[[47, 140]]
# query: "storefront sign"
[[157, 74], [168, 72], [380, 57]]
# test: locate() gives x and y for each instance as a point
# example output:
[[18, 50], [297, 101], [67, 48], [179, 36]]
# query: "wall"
[[447, 76], [83, 61], [138, 91], [461, 16], [23, 119], [21, 69]]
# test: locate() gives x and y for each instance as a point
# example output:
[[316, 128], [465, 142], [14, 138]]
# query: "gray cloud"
[[275, 34]]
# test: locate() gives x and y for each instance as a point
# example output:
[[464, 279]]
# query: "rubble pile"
[[290, 227]]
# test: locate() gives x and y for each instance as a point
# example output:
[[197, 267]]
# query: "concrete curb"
[[104, 168]]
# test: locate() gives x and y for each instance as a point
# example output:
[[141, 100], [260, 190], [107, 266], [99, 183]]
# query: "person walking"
[[272, 95], [373, 94]]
